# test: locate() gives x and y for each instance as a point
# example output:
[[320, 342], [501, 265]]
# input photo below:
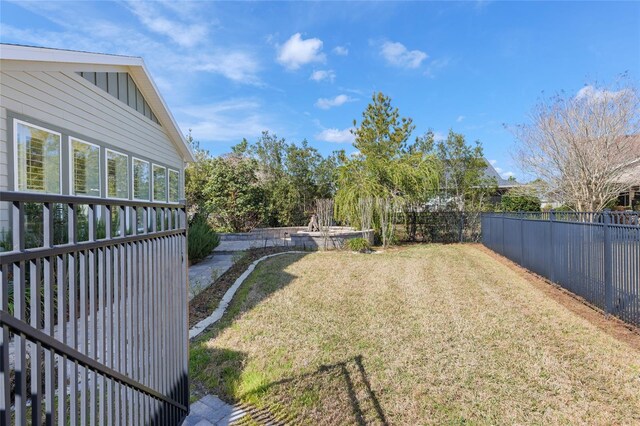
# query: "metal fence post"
[[608, 254], [521, 238], [552, 252], [502, 233]]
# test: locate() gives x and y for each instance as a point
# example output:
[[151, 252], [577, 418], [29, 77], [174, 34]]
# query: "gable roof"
[[134, 65], [492, 173], [631, 175]]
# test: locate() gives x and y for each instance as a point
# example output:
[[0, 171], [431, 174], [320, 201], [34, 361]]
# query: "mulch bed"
[[202, 305]]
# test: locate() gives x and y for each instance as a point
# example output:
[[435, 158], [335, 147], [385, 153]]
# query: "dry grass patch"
[[428, 334]]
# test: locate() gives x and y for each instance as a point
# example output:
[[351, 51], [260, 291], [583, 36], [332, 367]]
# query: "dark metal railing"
[[594, 255], [447, 226], [93, 312]]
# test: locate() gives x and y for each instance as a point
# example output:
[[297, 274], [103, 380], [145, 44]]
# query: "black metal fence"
[[438, 226], [93, 329], [593, 255]]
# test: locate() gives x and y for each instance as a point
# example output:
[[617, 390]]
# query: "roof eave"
[[136, 66], [166, 117]]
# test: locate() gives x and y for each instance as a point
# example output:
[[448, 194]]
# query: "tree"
[[463, 184], [233, 197], [292, 176], [386, 167], [581, 145], [324, 210], [197, 175], [520, 200]]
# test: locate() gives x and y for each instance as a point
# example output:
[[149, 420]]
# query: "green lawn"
[[429, 334]]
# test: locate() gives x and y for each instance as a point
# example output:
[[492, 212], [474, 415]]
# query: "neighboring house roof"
[[491, 172], [632, 174], [135, 66]]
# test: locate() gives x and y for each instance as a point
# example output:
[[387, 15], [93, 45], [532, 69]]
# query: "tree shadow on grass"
[[324, 396], [210, 368]]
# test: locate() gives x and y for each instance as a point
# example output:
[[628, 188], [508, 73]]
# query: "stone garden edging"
[[217, 314]]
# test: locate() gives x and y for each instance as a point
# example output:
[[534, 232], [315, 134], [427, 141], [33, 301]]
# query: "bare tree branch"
[[581, 146]]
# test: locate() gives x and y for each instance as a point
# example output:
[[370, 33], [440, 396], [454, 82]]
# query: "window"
[[117, 175], [37, 153], [85, 168], [141, 179], [174, 186], [159, 183]]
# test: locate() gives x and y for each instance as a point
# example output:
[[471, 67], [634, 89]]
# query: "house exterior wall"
[[67, 103]]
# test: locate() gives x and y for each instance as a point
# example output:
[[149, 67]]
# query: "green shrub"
[[359, 244], [520, 202], [202, 239]]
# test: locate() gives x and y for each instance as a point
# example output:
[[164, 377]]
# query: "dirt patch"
[[615, 327], [207, 300]]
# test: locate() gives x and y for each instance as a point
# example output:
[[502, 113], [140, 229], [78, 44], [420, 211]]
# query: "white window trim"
[[106, 174], [133, 179], [169, 171], [15, 156], [72, 187], [153, 181]]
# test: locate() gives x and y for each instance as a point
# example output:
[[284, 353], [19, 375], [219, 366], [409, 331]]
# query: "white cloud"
[[186, 33], [336, 135], [321, 75], [597, 95], [296, 52], [503, 174], [398, 55], [225, 121], [235, 65], [439, 136], [340, 50], [94, 34], [326, 103], [460, 118], [436, 66]]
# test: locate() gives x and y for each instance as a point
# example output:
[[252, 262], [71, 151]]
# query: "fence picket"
[[594, 255], [95, 331]]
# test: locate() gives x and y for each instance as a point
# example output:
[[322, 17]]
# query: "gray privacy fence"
[[594, 255], [93, 311]]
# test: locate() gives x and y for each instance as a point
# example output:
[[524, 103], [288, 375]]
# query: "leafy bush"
[[520, 202], [202, 239], [359, 244]]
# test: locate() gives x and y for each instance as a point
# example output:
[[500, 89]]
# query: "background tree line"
[[269, 182], [273, 182]]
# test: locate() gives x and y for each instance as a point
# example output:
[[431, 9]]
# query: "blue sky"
[[307, 70]]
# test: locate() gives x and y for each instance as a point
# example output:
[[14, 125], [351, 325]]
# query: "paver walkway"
[[242, 245], [205, 272], [212, 411]]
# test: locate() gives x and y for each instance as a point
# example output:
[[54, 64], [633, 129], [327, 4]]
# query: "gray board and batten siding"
[[121, 86]]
